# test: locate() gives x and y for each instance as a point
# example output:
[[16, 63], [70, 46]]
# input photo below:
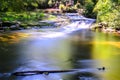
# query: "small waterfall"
[[77, 22]]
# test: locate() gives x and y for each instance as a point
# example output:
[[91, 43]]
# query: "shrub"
[[89, 6], [108, 13]]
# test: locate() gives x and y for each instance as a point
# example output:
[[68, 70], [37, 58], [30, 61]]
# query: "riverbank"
[[52, 21], [103, 27], [24, 20], [16, 21]]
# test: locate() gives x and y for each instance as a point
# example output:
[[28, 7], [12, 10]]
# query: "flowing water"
[[93, 56]]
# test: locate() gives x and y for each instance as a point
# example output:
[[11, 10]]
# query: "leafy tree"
[[89, 6], [11, 5], [19, 5], [108, 11]]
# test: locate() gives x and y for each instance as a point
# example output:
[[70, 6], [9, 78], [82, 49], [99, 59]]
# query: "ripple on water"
[[88, 78]]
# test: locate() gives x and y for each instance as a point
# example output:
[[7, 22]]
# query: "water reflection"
[[106, 49], [83, 50], [81, 57]]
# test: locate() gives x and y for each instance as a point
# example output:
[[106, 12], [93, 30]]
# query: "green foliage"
[[108, 13], [78, 5], [11, 5], [62, 6], [12, 16], [19, 5], [34, 4], [102, 6], [89, 6]]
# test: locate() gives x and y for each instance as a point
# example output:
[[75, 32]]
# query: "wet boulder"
[[10, 25]]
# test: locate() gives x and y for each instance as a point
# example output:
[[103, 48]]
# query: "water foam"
[[70, 28]]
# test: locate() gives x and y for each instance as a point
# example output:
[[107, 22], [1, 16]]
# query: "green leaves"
[[19, 5], [23, 16], [89, 6], [108, 11], [34, 4]]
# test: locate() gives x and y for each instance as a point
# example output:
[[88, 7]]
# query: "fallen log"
[[28, 73]]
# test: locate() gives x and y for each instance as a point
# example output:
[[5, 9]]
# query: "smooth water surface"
[[82, 50]]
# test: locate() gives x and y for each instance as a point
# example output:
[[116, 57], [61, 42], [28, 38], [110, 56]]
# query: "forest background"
[[106, 11]]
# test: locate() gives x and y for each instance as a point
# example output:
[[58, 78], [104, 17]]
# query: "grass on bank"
[[26, 19]]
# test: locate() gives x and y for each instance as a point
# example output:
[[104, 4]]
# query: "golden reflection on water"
[[113, 43], [107, 52], [13, 37]]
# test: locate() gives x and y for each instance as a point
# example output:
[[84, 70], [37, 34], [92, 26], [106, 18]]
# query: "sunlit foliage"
[[21, 16], [108, 11]]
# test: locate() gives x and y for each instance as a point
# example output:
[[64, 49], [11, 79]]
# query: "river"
[[92, 55]]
